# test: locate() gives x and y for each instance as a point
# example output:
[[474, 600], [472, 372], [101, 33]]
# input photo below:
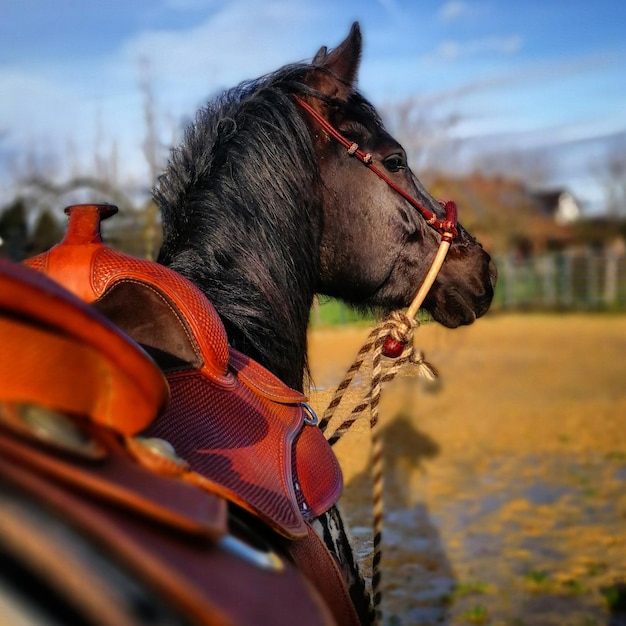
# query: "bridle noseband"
[[446, 227]]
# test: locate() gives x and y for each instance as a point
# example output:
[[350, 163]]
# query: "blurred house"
[[558, 205], [507, 216]]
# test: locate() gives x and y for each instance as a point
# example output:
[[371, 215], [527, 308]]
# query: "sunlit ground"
[[506, 489]]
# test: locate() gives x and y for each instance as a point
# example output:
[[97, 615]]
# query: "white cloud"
[[451, 50], [499, 45], [452, 10], [36, 104], [448, 50], [190, 5], [241, 40], [49, 100], [391, 6], [52, 102]]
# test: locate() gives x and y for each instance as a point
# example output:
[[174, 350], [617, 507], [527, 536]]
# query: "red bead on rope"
[[392, 348]]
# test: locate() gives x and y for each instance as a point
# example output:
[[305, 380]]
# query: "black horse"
[[261, 209]]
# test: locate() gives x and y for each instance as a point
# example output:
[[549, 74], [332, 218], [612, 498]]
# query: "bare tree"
[[151, 140], [41, 181], [615, 177], [426, 131], [151, 149], [532, 167], [46, 189]]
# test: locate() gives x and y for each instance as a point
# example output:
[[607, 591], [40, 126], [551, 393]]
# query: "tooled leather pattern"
[[260, 476], [238, 441], [110, 266]]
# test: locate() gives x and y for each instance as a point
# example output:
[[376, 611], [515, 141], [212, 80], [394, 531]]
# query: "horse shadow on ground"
[[418, 578], [615, 596]]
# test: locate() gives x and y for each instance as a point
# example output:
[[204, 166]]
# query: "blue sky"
[[547, 77]]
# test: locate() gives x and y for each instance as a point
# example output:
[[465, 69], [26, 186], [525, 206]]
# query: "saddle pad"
[[242, 431]]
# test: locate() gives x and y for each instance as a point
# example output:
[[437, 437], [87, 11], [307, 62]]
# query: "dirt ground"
[[505, 487]]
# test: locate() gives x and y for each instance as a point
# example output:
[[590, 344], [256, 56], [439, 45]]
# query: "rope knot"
[[425, 369], [403, 326], [401, 329]]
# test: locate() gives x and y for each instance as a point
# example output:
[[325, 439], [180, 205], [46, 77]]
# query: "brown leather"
[[314, 561], [239, 427], [195, 576], [105, 374], [143, 512], [117, 480]]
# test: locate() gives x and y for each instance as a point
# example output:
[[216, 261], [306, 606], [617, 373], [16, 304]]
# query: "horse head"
[[262, 208], [375, 247]]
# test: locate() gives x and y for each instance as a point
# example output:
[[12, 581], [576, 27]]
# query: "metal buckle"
[[51, 427], [249, 545], [312, 419], [265, 559]]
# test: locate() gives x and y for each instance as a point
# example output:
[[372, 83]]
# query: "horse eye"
[[394, 163]]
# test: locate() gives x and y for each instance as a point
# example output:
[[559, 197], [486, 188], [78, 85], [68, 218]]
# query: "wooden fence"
[[570, 280], [581, 280]]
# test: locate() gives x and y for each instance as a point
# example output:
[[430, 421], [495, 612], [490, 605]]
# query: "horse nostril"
[[493, 273]]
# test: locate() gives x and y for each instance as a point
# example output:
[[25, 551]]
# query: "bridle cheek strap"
[[446, 227]]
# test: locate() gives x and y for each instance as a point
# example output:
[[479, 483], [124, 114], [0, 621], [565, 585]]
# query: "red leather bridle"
[[446, 227]]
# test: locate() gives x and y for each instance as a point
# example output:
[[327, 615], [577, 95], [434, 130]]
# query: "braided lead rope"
[[393, 338], [382, 330], [400, 328]]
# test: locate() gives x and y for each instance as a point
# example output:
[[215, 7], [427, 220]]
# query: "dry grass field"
[[505, 487]]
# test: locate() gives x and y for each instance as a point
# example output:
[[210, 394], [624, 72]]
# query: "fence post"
[[567, 279], [588, 291], [548, 272], [610, 280], [509, 282], [573, 279]]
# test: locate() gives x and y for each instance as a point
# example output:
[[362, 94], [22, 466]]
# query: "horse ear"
[[342, 65], [344, 60], [320, 57]]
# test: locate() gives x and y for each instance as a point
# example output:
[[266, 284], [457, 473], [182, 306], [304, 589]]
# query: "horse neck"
[[264, 299], [248, 235], [266, 315]]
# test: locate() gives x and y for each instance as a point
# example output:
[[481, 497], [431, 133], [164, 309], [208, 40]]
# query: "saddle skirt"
[[244, 434]]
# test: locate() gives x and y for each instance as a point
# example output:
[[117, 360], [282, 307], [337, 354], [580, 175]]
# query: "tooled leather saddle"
[[181, 470]]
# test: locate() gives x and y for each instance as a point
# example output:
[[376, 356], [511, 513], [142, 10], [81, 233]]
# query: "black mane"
[[241, 208]]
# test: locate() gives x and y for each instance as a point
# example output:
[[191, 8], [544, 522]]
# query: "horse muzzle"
[[464, 289]]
